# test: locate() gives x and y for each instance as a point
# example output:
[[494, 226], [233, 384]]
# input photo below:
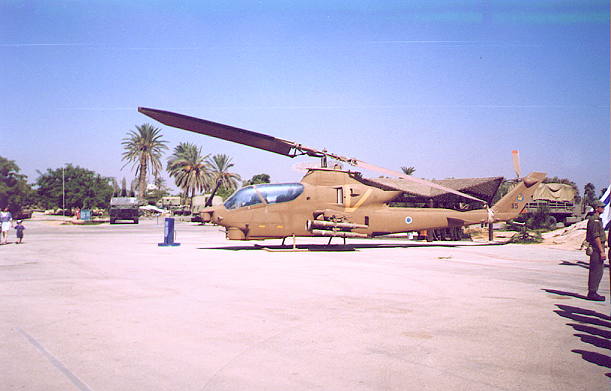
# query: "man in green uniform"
[[595, 235]]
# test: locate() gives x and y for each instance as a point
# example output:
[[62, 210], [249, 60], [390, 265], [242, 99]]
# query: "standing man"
[[595, 235]]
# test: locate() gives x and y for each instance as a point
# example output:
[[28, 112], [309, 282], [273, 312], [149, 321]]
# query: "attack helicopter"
[[332, 201]]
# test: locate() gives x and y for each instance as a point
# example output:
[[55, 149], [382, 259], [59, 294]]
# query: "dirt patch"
[[568, 238]]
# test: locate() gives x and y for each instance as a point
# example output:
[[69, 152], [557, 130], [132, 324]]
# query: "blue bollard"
[[168, 233]]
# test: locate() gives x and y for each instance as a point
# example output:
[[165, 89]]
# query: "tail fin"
[[512, 204]]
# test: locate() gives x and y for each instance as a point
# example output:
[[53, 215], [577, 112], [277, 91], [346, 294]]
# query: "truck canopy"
[[554, 192], [124, 201]]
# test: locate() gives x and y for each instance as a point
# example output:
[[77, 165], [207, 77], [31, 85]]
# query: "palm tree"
[[189, 168], [144, 148], [220, 174], [408, 170]]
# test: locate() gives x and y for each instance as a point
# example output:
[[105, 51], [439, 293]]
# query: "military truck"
[[174, 205], [559, 199], [123, 208]]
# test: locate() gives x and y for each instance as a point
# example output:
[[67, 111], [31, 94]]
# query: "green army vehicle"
[[123, 208]]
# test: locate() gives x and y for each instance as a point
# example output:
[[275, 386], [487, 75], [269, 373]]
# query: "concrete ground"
[[104, 308]]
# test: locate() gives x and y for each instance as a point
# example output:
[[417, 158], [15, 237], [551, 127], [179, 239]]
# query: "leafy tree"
[[540, 219], [256, 179], [14, 189], [408, 170], [83, 188], [225, 181], [144, 149], [115, 187], [589, 194], [189, 168], [503, 189]]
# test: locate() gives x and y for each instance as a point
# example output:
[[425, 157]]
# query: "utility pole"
[[63, 193]]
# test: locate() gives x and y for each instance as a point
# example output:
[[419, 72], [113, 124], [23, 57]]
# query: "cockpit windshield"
[[271, 193], [281, 192], [244, 197]]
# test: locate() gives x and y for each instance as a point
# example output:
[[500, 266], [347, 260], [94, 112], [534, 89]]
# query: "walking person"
[[596, 237], [19, 228], [5, 225]]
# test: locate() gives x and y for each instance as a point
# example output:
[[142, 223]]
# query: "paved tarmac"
[[104, 308]]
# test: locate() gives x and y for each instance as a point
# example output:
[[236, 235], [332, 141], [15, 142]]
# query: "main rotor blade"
[[225, 132], [515, 154], [272, 144], [362, 164]]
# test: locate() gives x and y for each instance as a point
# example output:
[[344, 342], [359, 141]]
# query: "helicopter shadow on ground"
[[593, 328], [328, 247]]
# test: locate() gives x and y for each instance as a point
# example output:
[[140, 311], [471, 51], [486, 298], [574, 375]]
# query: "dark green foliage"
[[540, 219], [83, 188], [257, 179], [15, 193], [589, 194], [526, 237], [503, 190], [408, 170], [224, 192]]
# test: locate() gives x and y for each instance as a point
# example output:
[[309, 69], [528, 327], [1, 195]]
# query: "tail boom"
[[514, 202]]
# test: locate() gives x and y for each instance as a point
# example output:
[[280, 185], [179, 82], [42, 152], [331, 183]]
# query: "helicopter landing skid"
[[303, 248], [282, 250]]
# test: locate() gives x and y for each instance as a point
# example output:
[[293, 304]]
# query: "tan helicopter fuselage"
[[339, 203]]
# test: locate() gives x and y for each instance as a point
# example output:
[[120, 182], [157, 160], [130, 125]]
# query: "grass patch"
[[527, 237]]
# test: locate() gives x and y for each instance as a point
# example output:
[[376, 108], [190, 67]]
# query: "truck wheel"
[[135, 221], [112, 221]]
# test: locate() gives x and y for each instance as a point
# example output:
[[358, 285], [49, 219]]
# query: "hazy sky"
[[450, 87]]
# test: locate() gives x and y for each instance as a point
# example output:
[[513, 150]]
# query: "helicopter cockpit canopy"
[[268, 193]]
